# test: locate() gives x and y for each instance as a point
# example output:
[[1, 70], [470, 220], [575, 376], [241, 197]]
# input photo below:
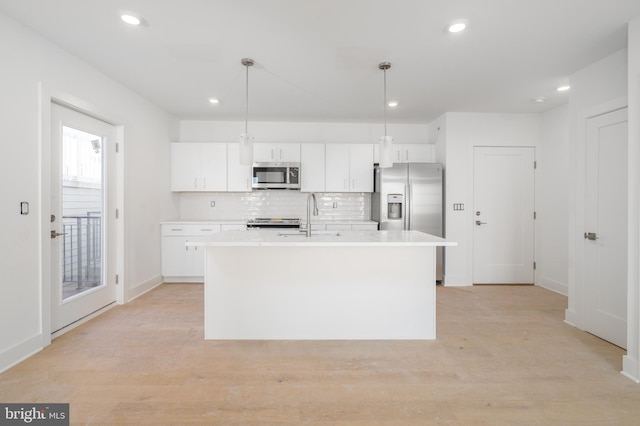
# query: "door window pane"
[[82, 208]]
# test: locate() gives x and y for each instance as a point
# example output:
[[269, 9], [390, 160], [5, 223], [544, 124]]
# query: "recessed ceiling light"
[[214, 101], [131, 20], [393, 103], [456, 27], [563, 88], [539, 99]]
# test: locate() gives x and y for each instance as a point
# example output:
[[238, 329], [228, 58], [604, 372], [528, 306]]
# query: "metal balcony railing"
[[82, 250]]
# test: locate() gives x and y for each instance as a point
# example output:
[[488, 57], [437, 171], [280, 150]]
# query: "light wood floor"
[[503, 357]]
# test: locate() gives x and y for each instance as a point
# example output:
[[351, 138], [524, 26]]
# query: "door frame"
[[48, 96], [574, 313]]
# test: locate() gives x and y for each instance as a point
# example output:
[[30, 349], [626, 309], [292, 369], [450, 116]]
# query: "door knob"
[[56, 234], [591, 236], [480, 223]]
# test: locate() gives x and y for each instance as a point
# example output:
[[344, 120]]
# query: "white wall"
[[464, 131], [229, 131], [28, 59], [595, 89], [552, 205], [631, 362]]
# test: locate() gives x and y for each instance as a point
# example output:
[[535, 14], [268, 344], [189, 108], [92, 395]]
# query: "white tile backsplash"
[[270, 203]]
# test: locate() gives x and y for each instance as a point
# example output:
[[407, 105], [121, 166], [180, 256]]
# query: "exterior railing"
[[82, 250]]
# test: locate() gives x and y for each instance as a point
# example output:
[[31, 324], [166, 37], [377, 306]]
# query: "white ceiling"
[[317, 60]]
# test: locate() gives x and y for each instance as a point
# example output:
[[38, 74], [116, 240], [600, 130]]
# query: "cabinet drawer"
[[204, 230], [233, 227], [176, 230], [364, 226]]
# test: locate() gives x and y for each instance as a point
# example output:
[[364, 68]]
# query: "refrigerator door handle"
[[408, 190]]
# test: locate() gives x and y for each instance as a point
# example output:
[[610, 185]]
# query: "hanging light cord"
[[385, 101], [246, 111]]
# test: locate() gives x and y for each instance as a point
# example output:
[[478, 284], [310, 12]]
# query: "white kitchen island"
[[351, 285]]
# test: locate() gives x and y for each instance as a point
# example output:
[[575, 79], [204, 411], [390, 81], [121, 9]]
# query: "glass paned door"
[[82, 230]]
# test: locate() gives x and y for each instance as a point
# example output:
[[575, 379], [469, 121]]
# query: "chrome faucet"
[[315, 211]]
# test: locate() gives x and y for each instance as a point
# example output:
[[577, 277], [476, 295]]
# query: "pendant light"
[[386, 140], [246, 140]]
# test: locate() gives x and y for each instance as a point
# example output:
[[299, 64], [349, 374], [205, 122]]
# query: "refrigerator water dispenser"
[[394, 206]]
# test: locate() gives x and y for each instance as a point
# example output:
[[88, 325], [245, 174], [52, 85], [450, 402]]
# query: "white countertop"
[[203, 222], [243, 221], [322, 239]]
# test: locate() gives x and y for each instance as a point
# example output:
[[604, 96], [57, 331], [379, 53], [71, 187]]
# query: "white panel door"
[[605, 233], [503, 215]]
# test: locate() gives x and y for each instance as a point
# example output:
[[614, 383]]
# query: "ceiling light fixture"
[[563, 88], [458, 26], [246, 140], [393, 104], [214, 101], [131, 20], [539, 100], [386, 140]]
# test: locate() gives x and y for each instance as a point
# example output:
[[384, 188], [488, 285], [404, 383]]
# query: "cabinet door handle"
[[399, 155], [406, 153], [273, 154], [280, 155]]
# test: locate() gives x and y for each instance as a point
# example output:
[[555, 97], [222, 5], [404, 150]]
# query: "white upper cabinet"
[[409, 153], [337, 179], [312, 164], [238, 175], [278, 152], [361, 168], [349, 168], [198, 167]]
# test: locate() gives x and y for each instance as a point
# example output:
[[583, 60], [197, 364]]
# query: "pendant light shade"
[[246, 140], [386, 154]]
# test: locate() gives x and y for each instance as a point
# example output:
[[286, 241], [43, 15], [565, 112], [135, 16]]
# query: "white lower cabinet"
[[344, 226], [182, 263]]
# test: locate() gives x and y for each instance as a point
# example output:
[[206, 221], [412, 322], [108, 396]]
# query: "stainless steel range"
[[266, 223]]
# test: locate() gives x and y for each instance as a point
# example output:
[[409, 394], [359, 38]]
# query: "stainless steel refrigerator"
[[409, 197]]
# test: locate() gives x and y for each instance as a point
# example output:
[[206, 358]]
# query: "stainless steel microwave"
[[276, 176]]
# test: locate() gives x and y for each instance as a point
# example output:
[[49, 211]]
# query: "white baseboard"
[[570, 317], [184, 279], [630, 369], [143, 288], [555, 286], [18, 353], [453, 281]]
